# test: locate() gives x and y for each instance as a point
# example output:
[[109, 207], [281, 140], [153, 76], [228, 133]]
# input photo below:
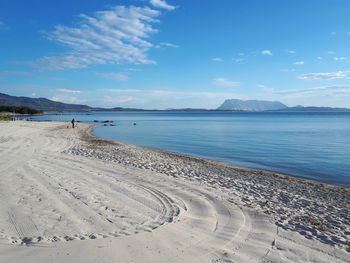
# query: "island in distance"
[[251, 105], [47, 105], [263, 105]]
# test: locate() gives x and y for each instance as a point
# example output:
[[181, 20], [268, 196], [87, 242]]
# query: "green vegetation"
[[19, 109], [5, 118]]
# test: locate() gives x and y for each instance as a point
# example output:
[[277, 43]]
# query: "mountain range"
[[41, 104], [47, 105]]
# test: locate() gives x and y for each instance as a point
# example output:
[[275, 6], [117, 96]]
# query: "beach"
[[67, 196]]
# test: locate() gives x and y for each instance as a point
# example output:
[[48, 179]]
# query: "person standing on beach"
[[73, 121]]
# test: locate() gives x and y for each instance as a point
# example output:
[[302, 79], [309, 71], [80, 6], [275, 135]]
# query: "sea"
[[314, 146]]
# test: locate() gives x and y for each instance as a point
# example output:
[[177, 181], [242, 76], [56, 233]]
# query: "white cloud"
[[340, 58], [162, 4], [330, 52], [290, 51], [114, 76], [115, 36], [325, 90], [117, 100], [331, 96], [241, 54], [266, 52], [132, 69], [217, 59], [3, 26], [222, 82], [319, 58], [326, 75], [299, 63], [165, 44], [123, 90], [287, 70], [163, 98], [68, 91], [66, 99], [265, 89], [237, 59], [15, 73]]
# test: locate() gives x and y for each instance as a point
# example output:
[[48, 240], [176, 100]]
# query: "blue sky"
[[176, 53]]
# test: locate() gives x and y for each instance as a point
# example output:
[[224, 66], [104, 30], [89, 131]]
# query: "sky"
[[160, 54]]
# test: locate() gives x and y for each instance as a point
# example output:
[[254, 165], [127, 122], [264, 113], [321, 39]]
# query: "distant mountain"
[[41, 104], [188, 110], [118, 109], [313, 109], [251, 105]]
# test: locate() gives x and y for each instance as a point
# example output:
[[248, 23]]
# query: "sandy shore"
[[67, 196]]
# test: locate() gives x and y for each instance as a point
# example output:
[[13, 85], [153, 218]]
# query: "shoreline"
[[329, 176], [214, 162], [305, 177], [70, 191], [271, 183]]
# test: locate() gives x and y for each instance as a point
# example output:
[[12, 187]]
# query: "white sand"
[[66, 196]]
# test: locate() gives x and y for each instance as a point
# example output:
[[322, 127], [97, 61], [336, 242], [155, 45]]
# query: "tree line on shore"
[[19, 109]]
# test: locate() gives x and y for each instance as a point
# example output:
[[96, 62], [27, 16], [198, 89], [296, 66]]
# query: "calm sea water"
[[315, 146]]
